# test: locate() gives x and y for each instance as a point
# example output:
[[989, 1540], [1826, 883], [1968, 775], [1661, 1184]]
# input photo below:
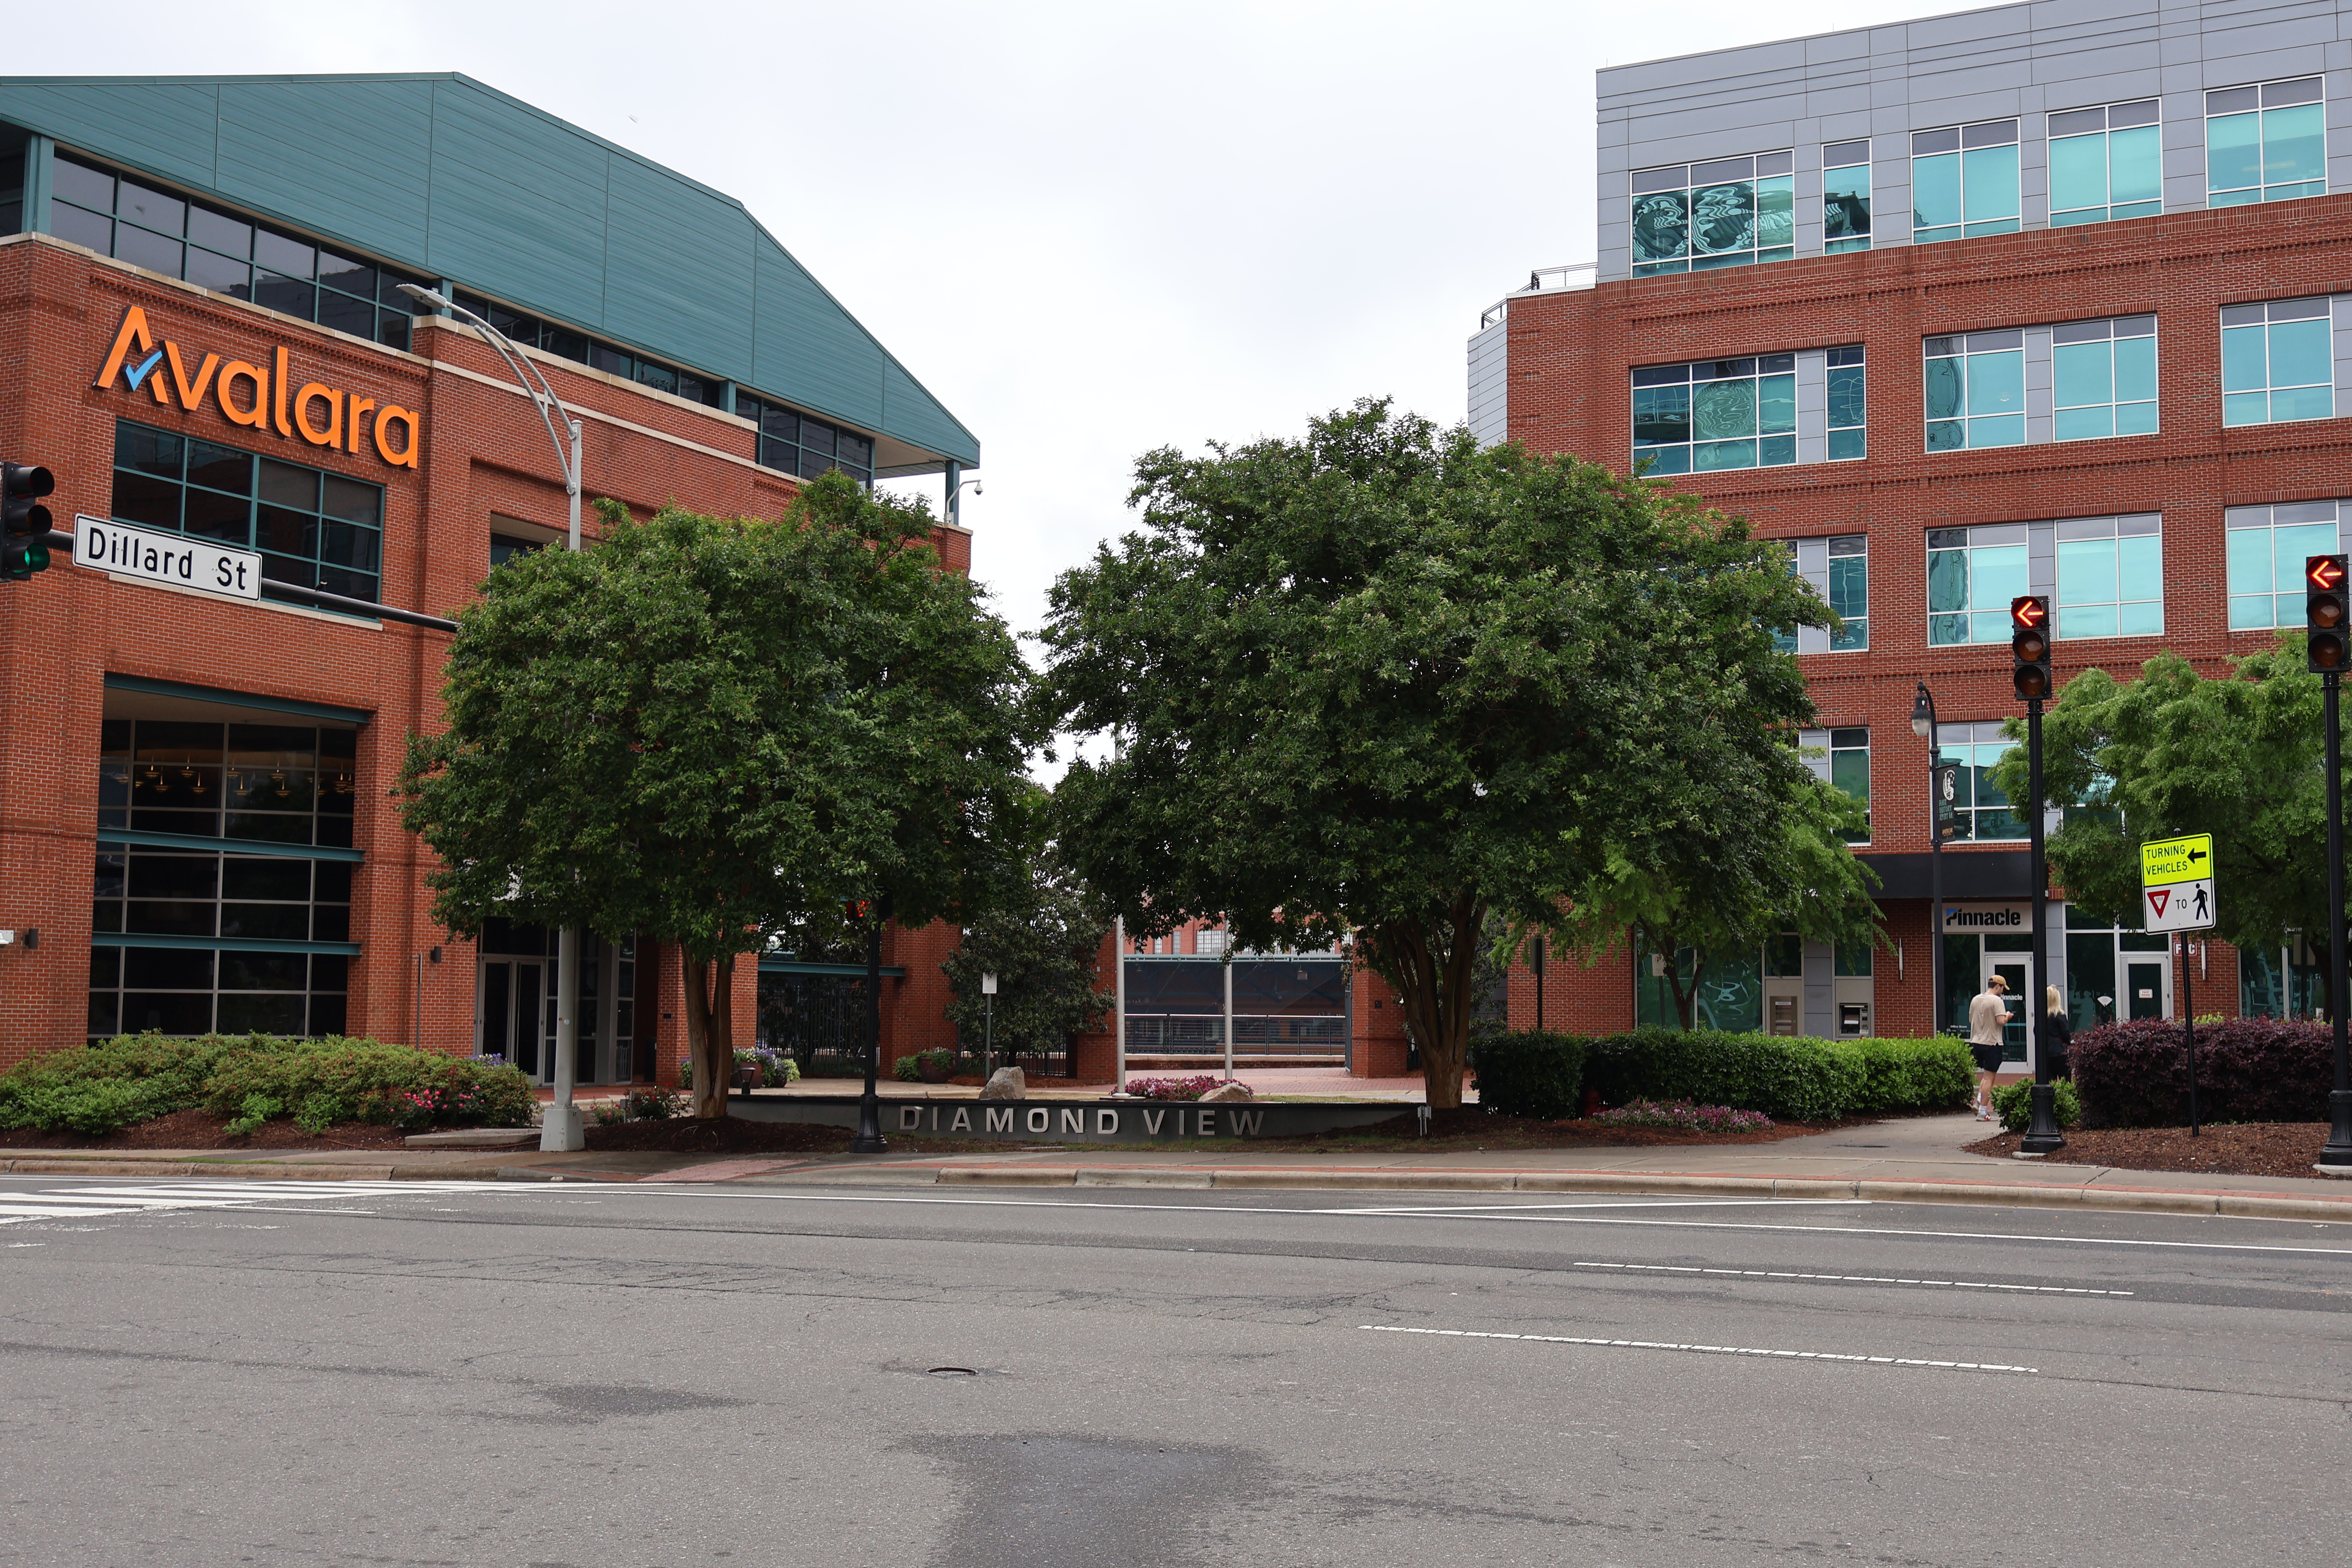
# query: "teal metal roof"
[[443, 175]]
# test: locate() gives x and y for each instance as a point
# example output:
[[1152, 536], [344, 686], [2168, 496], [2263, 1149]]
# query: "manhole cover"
[[952, 1372]]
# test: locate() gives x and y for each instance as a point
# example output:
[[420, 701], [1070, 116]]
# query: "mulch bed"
[[2222, 1149], [201, 1130]]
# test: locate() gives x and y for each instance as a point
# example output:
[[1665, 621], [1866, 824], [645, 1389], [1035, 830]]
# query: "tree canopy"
[[1043, 943], [2241, 757], [1381, 683], [708, 729]]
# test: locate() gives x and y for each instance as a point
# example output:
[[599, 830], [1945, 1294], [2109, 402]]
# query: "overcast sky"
[[1089, 229]]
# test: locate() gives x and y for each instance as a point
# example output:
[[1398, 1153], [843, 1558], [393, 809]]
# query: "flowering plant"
[[1174, 1088], [1682, 1116]]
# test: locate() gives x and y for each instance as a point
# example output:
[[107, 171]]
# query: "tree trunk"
[[1433, 980], [710, 1032], [1685, 997]]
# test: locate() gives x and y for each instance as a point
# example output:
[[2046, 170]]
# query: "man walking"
[[1988, 1015]]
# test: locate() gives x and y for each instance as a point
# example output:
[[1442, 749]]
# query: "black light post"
[[869, 1139], [1923, 724], [2327, 648], [1536, 962]]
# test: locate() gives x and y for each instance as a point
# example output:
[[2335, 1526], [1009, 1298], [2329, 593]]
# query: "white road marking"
[[1704, 1350], [1849, 1278]]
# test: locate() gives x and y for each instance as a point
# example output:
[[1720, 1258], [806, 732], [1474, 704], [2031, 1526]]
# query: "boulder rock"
[[1228, 1091], [1006, 1083]]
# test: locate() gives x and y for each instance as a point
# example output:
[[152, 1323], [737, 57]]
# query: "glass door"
[[512, 1012], [2011, 967], [2146, 982]]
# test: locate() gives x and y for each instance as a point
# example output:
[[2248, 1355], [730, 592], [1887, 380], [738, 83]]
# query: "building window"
[[1847, 404], [1845, 197], [2265, 143], [2104, 378], [1732, 211], [1972, 574], [1841, 758], [2278, 363], [313, 529], [2110, 576], [1964, 181], [147, 224], [1849, 594], [793, 442], [1717, 414], [2105, 164], [2267, 546], [1980, 810], [1976, 390], [505, 547], [597, 355], [238, 938]]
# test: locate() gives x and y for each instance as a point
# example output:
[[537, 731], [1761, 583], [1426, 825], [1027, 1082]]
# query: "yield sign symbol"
[[2157, 898]]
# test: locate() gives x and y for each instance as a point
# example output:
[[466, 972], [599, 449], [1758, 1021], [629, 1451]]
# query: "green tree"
[[1761, 851], [708, 729], [2241, 757], [1381, 682], [1043, 944]]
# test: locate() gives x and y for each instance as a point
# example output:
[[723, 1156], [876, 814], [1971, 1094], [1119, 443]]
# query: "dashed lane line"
[[1704, 1350], [1852, 1278]]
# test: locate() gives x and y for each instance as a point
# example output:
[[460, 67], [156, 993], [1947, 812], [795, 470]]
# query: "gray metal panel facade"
[[1490, 384], [2021, 61], [444, 176]]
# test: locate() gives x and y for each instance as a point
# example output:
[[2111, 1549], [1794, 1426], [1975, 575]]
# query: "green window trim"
[[2265, 143], [1964, 181], [136, 838], [223, 943], [1724, 212]]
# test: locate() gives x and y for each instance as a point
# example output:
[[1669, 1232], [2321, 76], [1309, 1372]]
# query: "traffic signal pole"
[[2326, 651], [2029, 675]]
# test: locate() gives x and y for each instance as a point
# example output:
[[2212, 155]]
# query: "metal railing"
[[1544, 280]]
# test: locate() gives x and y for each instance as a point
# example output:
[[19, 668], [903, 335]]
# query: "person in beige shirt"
[[1988, 1015]]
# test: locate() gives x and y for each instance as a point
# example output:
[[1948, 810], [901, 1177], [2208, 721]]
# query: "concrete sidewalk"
[[1915, 1160]]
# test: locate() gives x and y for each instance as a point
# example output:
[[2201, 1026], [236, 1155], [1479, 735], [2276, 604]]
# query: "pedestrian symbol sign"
[[2176, 878]]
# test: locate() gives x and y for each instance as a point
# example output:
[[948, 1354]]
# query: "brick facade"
[[484, 456]]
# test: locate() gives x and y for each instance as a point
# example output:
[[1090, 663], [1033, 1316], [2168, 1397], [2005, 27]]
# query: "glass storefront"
[[514, 1005]]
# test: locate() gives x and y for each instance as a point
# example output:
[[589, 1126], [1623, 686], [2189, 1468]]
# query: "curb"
[[2140, 1200]]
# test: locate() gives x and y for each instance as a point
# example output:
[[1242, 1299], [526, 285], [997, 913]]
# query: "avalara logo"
[[263, 398]]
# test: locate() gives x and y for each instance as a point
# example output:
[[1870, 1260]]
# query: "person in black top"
[[2057, 1033]]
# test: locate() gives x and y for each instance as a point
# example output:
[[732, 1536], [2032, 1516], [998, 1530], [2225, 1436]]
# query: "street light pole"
[[1923, 724], [2336, 1157], [560, 1129], [869, 1139]]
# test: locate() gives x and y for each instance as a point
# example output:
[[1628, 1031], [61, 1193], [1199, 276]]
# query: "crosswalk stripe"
[[11, 1212]]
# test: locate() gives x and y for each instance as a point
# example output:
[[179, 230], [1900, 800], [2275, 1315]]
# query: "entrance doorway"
[[2148, 985], [517, 1015], [2011, 967]]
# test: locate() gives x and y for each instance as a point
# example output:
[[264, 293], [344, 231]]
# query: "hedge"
[[1789, 1077], [1525, 1073], [2135, 1073], [137, 1077]]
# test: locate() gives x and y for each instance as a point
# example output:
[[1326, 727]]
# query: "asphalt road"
[[284, 1373]]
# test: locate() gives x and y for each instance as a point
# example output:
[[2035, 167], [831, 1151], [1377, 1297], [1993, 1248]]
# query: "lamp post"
[[559, 1130], [1940, 776], [869, 1139]]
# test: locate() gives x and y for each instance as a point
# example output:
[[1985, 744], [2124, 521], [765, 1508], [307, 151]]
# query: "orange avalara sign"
[[262, 397]]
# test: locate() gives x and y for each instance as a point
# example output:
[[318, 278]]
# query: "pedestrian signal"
[[2327, 650], [24, 520], [2029, 645]]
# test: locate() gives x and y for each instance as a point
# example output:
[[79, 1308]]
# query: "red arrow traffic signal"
[[2327, 650], [2028, 611], [2323, 572], [2029, 645]]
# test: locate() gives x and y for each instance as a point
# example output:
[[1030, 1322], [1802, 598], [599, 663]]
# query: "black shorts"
[[1989, 1058]]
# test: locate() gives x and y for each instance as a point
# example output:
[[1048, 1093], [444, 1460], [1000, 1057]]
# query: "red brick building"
[[202, 336], [2009, 302]]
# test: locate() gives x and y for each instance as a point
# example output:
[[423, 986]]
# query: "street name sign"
[[2176, 883], [173, 558]]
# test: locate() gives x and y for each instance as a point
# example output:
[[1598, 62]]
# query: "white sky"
[[1088, 229]]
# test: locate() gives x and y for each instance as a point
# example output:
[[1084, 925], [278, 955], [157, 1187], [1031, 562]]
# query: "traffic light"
[[2326, 650], [24, 520], [2029, 645]]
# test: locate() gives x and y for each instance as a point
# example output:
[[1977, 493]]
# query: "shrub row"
[[2135, 1073], [1789, 1077], [136, 1078]]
